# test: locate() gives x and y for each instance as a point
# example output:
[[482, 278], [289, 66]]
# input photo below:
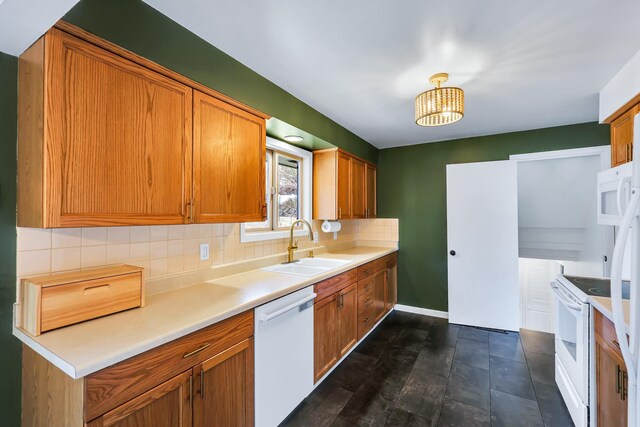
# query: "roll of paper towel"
[[331, 226]]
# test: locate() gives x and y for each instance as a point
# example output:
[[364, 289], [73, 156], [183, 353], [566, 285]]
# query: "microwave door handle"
[[564, 300], [619, 196]]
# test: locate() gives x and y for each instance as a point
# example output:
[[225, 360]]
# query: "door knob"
[[452, 252]]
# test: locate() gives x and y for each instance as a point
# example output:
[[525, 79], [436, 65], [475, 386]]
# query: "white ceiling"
[[22, 22], [523, 65]]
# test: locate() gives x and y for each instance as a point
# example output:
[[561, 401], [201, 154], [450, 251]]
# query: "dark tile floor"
[[421, 371]]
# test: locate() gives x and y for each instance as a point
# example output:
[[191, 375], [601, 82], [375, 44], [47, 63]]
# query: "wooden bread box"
[[56, 300]]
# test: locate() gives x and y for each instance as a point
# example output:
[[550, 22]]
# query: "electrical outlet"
[[315, 237], [204, 251]]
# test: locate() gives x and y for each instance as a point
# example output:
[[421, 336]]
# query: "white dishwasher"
[[283, 356]]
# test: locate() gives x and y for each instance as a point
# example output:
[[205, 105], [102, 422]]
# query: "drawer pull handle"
[[196, 351], [616, 343], [369, 301], [366, 320], [96, 289]]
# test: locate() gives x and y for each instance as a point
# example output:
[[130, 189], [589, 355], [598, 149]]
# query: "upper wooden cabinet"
[[371, 176], [102, 140], [229, 147], [622, 137], [344, 186], [105, 138], [358, 189]]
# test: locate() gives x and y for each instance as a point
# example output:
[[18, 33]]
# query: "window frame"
[[306, 193]]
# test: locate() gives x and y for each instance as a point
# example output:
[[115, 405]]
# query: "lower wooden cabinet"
[[335, 326], [202, 379], [379, 294], [611, 375], [167, 405], [347, 319], [224, 388]]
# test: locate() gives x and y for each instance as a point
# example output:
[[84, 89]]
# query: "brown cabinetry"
[[335, 321], [343, 186], [622, 138], [611, 375], [358, 189], [377, 291], [181, 383], [371, 175], [224, 388], [167, 405], [229, 147], [102, 140], [105, 137]]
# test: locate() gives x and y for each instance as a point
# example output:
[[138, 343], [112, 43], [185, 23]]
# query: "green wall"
[[9, 346], [412, 187], [141, 29]]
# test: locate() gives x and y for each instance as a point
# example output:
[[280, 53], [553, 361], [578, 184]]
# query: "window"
[[288, 192]]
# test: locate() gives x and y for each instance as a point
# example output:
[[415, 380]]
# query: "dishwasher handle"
[[269, 316]]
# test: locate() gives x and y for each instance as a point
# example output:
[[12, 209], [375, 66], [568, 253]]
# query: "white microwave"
[[614, 192]]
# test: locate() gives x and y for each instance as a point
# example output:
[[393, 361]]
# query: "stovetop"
[[597, 287]]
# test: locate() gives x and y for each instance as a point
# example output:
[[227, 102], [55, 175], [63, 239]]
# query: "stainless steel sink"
[[308, 266]]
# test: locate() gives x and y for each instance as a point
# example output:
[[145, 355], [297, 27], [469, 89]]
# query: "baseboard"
[[424, 311]]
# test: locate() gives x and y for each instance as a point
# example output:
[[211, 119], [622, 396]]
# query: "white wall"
[[624, 86], [557, 212]]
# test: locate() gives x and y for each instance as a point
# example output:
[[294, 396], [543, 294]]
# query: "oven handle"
[[567, 303]]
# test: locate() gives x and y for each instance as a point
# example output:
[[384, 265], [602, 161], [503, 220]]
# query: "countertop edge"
[[597, 303]]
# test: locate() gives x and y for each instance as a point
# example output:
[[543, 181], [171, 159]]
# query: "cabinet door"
[[118, 139], [379, 294], [358, 189], [391, 288], [622, 139], [344, 186], [371, 182], [347, 318], [167, 405], [325, 335], [229, 150], [224, 388], [612, 409]]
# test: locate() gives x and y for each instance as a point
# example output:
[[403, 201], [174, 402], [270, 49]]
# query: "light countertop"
[[87, 347], [603, 305]]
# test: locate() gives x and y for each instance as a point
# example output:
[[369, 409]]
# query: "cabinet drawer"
[[388, 261], [117, 384], [57, 300], [334, 284], [365, 285], [366, 270], [366, 320], [606, 330], [365, 301]]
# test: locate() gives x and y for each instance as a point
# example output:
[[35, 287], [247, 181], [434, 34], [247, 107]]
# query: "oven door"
[[572, 339]]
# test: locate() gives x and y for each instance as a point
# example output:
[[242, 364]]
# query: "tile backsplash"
[[166, 250]]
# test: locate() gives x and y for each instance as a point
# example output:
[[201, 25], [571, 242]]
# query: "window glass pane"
[[266, 224], [287, 190]]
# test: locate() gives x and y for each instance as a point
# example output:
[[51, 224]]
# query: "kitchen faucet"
[[293, 246]]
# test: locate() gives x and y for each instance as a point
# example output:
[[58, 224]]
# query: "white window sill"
[[261, 236]]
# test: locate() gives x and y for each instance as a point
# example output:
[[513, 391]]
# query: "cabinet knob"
[[452, 253]]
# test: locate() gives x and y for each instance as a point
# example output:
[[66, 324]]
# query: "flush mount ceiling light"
[[293, 138], [439, 106]]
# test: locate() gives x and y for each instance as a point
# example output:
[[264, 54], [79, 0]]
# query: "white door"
[[482, 235]]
